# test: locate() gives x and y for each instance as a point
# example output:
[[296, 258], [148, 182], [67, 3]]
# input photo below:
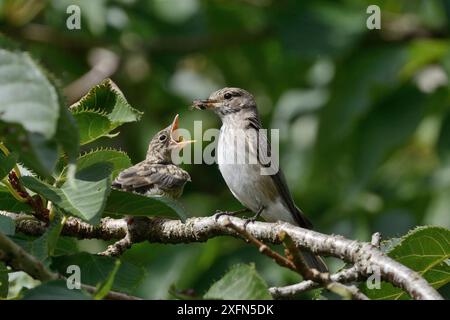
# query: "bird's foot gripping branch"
[[51, 196]]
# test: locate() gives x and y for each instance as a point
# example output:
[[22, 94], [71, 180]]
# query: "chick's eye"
[[227, 95], [162, 137]]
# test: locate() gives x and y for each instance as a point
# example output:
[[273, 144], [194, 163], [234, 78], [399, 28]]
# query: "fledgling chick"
[[266, 195], [157, 175]]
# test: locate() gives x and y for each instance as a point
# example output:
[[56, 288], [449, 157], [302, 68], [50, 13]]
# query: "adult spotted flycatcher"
[[241, 139]]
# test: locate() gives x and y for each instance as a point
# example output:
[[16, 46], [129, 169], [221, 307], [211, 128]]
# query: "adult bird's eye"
[[162, 137], [227, 95]]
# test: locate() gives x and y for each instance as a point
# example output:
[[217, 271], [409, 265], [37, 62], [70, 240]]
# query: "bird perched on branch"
[[263, 192], [157, 175]]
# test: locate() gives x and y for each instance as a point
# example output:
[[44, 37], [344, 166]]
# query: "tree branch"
[[295, 263], [347, 292], [262, 247], [363, 255], [112, 295], [118, 247], [344, 276]]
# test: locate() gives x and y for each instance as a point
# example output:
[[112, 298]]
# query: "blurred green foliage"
[[364, 115]]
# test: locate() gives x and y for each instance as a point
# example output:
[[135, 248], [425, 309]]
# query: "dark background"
[[363, 114]]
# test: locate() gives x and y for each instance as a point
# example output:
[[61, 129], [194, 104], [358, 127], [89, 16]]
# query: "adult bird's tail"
[[313, 261]]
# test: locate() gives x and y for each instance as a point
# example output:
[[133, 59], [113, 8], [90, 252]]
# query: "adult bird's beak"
[[176, 140], [204, 104]]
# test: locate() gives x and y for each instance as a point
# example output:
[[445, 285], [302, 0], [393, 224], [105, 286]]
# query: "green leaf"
[[242, 282], [37, 247], [84, 198], [55, 290], [4, 282], [334, 30], [32, 120], [445, 291], [7, 163], [92, 125], [422, 52], [117, 159], [28, 98], [106, 286], [105, 99], [7, 225], [357, 77], [45, 245], [102, 110], [385, 127], [35, 120], [95, 269], [425, 250], [53, 232], [35, 152], [67, 134], [128, 203], [65, 246], [9, 203]]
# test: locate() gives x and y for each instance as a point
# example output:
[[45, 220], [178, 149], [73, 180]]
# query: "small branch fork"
[[364, 256], [262, 247], [36, 203], [294, 262]]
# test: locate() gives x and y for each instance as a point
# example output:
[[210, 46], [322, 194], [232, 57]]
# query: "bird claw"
[[249, 220], [220, 213], [254, 218]]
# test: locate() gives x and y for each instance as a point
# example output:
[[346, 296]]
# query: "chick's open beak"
[[176, 140], [204, 104]]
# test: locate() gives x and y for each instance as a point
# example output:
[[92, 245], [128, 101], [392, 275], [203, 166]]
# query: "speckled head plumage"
[[164, 142], [157, 175]]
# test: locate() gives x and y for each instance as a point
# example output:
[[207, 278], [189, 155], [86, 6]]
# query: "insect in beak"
[[204, 104]]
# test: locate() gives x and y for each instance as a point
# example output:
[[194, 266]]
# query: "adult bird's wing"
[[264, 155], [144, 176]]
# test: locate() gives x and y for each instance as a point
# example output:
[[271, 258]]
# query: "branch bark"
[[295, 263], [263, 248], [324, 279], [365, 256], [345, 276]]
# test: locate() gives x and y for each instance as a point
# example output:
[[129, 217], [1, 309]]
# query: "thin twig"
[[118, 247], [262, 247], [293, 253], [35, 202], [345, 276], [111, 295]]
